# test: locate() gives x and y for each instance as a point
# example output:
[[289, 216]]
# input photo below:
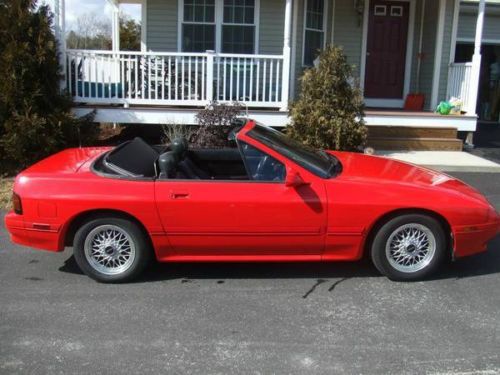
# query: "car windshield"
[[320, 163]]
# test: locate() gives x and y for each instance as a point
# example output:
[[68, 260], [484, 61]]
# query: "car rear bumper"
[[39, 236], [473, 239]]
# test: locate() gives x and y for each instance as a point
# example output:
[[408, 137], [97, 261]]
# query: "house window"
[[227, 26], [397, 11], [198, 27], [380, 10], [238, 27], [314, 30]]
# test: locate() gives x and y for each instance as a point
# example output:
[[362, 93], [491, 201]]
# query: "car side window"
[[261, 166]]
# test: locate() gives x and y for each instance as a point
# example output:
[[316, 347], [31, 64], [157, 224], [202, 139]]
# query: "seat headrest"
[[167, 162], [179, 146]]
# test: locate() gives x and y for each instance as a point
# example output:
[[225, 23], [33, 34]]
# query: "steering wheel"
[[265, 165]]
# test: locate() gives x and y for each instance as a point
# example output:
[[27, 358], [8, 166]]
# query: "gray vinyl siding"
[[431, 17], [162, 19], [162, 26], [271, 25], [348, 32], [468, 19], [428, 50]]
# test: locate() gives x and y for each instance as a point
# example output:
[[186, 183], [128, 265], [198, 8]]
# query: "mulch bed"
[[5, 192]]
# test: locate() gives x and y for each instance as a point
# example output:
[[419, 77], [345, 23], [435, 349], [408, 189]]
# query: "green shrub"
[[329, 112], [35, 118]]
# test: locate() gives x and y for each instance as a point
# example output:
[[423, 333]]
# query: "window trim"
[[305, 28], [219, 22]]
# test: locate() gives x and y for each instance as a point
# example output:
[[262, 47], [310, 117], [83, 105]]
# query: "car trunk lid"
[[67, 161]]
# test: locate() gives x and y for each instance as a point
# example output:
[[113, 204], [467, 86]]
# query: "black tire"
[[131, 238], [389, 263]]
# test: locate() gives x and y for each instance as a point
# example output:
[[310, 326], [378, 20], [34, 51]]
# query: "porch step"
[[415, 144], [410, 132]]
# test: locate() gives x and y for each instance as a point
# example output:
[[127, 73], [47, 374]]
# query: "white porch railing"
[[171, 78], [459, 84]]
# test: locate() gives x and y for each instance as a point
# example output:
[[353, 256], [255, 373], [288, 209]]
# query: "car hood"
[[381, 169], [67, 161]]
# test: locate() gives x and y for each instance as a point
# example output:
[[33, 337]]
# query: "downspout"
[[420, 45]]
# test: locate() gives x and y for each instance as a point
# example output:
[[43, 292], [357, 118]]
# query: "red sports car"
[[268, 199]]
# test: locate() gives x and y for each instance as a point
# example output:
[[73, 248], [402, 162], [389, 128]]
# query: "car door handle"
[[179, 195]]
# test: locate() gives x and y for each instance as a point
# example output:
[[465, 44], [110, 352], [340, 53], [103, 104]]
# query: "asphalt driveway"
[[249, 318]]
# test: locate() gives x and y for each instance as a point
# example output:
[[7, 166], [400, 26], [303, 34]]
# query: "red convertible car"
[[268, 199]]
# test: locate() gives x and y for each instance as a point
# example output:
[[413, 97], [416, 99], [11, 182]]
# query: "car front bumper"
[[473, 239]]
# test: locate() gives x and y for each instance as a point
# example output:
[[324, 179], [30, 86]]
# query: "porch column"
[[115, 26], [60, 34], [285, 81], [476, 60]]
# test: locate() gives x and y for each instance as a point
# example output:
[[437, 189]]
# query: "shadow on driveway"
[[477, 265]]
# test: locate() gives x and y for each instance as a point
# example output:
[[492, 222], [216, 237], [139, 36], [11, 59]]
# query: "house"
[[254, 51]]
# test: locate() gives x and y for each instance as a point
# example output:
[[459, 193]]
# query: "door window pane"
[[314, 15], [199, 10], [314, 30], [198, 37], [261, 166], [239, 11], [313, 42], [238, 39], [198, 29]]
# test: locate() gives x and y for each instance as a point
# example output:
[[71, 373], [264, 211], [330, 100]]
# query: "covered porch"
[[167, 78]]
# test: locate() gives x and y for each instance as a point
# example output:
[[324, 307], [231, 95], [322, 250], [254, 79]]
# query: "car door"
[[244, 218]]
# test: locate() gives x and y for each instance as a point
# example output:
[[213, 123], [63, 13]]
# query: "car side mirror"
[[294, 179]]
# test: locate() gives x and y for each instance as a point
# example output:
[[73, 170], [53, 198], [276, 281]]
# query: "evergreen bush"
[[329, 111], [35, 117]]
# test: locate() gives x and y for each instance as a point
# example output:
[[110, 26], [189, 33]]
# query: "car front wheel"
[[111, 249], [409, 247]]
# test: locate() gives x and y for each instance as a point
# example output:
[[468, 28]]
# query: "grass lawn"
[[5, 192]]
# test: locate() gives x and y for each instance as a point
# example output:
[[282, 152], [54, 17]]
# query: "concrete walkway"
[[448, 161]]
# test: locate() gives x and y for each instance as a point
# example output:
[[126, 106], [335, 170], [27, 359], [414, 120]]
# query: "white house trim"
[[60, 34], [286, 55], [389, 103], [484, 41], [144, 25], [155, 116], [438, 54], [135, 115], [476, 58]]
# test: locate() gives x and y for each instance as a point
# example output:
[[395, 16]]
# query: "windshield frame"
[[320, 163]]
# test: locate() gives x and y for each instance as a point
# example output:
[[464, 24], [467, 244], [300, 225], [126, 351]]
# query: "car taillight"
[[16, 204]]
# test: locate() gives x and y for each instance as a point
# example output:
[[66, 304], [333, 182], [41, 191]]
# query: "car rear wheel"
[[409, 247], [111, 249]]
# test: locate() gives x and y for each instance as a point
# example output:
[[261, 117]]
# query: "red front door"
[[386, 49]]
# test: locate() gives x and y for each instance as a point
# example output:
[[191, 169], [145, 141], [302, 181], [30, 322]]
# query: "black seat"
[[190, 170], [168, 162]]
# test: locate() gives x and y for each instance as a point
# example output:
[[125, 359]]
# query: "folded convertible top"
[[134, 158]]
